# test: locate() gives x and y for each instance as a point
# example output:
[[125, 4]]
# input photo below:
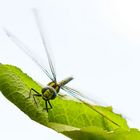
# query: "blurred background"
[[98, 42]]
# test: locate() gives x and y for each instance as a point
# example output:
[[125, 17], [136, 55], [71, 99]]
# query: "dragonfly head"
[[65, 81]]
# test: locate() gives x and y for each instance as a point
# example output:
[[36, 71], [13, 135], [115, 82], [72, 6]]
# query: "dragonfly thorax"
[[55, 86]]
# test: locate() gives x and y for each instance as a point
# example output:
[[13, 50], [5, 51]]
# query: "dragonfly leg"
[[35, 99], [50, 104], [46, 103], [37, 94], [31, 92]]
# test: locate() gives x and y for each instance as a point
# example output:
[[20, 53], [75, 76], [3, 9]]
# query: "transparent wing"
[[91, 101], [41, 31], [77, 93], [86, 101], [27, 51]]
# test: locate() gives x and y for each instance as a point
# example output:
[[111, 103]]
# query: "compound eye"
[[52, 90], [44, 89]]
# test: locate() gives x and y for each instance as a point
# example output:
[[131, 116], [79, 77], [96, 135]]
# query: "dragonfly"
[[53, 88]]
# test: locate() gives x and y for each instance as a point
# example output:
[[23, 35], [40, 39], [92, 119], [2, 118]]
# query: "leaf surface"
[[68, 116]]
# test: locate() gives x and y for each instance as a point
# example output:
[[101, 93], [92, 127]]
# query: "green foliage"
[[70, 117], [95, 133]]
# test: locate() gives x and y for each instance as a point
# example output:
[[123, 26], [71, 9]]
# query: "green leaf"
[[68, 116], [95, 133]]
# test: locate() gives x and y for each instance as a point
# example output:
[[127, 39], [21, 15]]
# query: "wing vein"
[[40, 28]]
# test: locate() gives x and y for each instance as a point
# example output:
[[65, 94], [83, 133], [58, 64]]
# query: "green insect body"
[[52, 89]]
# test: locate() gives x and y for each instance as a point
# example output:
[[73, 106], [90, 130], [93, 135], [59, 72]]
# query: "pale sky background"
[[98, 42]]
